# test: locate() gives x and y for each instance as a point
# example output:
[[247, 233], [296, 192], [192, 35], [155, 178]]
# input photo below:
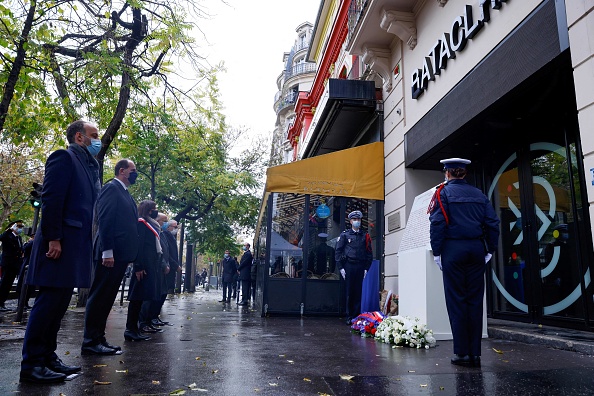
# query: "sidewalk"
[[233, 351]]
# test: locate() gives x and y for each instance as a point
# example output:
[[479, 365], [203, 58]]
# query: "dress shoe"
[[159, 322], [476, 361], [157, 329], [98, 349], [59, 367], [462, 360], [223, 300], [130, 335], [147, 329], [108, 345], [41, 375]]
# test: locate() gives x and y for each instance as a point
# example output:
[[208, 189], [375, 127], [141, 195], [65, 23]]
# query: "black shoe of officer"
[[58, 366], [147, 329], [41, 375], [476, 361], [462, 360]]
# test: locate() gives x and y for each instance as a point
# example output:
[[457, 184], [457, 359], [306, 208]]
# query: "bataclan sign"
[[463, 28]]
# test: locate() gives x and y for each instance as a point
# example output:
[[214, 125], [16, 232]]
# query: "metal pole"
[[178, 276]]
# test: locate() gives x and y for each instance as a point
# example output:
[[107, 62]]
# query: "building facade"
[[506, 84], [296, 76]]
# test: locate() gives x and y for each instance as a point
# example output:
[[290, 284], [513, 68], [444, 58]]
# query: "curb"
[[538, 339]]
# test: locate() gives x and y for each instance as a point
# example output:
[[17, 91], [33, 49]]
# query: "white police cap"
[[355, 214], [454, 163]]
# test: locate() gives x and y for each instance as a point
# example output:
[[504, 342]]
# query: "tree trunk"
[[17, 65]]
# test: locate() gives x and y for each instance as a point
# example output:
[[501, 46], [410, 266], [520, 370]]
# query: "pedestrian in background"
[[229, 273], [12, 258], [353, 258], [464, 234], [61, 258], [244, 270], [116, 245], [27, 247]]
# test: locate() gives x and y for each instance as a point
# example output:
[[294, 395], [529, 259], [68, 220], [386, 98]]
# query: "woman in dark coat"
[[144, 283]]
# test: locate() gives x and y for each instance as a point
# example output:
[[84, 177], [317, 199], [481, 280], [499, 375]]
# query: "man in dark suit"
[[174, 267], [62, 250], [12, 258], [244, 269], [229, 271], [115, 247]]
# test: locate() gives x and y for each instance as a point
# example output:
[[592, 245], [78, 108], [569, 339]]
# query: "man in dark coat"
[[229, 272], [464, 234], [353, 257], [62, 250], [116, 245], [244, 270], [12, 258]]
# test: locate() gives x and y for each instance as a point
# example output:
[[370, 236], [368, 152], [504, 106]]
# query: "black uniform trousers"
[[104, 290], [354, 271], [463, 263], [9, 274], [41, 337]]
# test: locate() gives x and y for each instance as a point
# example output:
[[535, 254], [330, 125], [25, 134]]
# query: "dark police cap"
[[355, 214], [455, 163]]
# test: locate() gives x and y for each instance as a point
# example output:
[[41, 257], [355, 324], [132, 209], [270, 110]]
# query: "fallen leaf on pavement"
[[178, 392], [67, 353], [281, 355], [215, 371], [346, 377], [442, 388], [197, 357], [101, 382], [100, 365], [423, 385], [290, 361], [498, 351], [272, 384], [121, 371], [411, 371], [155, 382], [306, 380]]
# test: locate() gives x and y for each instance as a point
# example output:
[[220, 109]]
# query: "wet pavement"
[[221, 350]]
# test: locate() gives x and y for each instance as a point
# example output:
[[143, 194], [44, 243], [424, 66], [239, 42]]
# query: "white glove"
[[488, 257], [343, 273], [437, 260], [364, 274]]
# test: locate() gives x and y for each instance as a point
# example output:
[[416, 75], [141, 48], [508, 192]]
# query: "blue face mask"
[[226, 255], [94, 147], [356, 224], [165, 226]]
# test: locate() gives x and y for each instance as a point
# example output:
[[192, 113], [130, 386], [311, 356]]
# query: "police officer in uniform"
[[464, 234], [353, 257]]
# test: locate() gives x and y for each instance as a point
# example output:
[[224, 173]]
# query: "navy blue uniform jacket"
[[69, 194], [470, 215], [229, 269], [354, 247], [12, 250]]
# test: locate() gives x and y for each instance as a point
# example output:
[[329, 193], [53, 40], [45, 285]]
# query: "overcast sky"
[[251, 38]]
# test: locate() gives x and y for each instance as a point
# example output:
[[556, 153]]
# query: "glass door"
[[540, 272]]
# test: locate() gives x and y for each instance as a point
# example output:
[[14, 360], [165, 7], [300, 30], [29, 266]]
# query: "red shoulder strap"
[[437, 199]]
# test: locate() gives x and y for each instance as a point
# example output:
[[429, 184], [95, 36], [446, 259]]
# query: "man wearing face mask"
[[61, 257], [12, 258], [353, 258], [229, 271], [115, 246]]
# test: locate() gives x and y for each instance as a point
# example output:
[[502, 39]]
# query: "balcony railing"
[[356, 11], [300, 46], [301, 68], [289, 99]]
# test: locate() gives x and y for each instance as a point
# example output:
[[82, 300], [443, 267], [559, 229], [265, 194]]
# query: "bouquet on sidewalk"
[[366, 323], [404, 331]]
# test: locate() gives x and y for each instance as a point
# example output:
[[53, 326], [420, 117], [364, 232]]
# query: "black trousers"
[[354, 287], [463, 263], [227, 288], [41, 336], [134, 307], [104, 290], [9, 274], [245, 290]]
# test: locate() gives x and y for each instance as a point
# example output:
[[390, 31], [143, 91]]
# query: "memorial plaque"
[[416, 233]]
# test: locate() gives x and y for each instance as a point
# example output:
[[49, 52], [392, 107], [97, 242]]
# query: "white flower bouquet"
[[404, 331]]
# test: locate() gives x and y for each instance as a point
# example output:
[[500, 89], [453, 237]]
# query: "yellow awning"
[[356, 172]]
